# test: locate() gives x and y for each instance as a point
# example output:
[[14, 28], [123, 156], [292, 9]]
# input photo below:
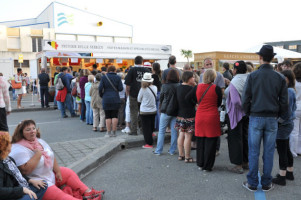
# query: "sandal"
[[181, 158], [237, 170], [94, 129], [189, 160]]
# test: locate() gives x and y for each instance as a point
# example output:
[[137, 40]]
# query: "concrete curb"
[[31, 109], [88, 164]]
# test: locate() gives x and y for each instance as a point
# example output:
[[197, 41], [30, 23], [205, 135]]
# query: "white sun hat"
[[147, 77]]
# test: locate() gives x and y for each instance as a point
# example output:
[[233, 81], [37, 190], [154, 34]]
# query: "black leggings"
[[285, 156]]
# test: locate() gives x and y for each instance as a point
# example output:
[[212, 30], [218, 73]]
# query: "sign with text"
[[20, 58], [98, 47]]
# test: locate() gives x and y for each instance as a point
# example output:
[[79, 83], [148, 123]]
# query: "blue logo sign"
[[64, 19]]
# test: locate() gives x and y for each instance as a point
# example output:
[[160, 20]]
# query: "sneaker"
[[171, 153], [113, 135], [268, 187], [217, 153], [249, 187], [290, 176], [93, 193], [147, 146], [126, 130], [279, 180], [65, 116], [157, 154], [154, 135]]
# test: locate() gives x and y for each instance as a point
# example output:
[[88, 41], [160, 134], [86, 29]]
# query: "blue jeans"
[[83, 110], [89, 113], [157, 119], [75, 105], [68, 104], [14, 94], [44, 96], [164, 121], [39, 193], [261, 128], [54, 101]]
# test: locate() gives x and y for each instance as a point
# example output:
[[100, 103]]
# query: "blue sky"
[[199, 25]]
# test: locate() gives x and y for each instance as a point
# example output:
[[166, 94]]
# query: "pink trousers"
[[70, 179]]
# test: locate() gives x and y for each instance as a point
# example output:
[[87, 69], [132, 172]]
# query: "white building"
[[63, 35]]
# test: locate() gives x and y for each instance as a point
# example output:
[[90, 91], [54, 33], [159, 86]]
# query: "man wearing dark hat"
[[264, 99]]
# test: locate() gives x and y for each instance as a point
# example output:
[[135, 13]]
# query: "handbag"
[[16, 85], [172, 108], [74, 90]]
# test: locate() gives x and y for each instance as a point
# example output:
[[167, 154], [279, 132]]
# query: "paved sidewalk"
[[84, 156]]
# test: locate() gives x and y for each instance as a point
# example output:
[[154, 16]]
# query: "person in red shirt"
[[208, 96]]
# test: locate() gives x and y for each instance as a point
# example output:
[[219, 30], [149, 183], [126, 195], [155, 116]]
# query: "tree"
[[187, 54]]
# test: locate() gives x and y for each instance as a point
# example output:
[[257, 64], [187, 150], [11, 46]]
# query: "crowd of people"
[[257, 105]]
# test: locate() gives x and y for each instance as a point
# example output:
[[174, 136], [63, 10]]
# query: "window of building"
[[37, 44], [280, 46], [292, 47], [24, 64], [13, 43]]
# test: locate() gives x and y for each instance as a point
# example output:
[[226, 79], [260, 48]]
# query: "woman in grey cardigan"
[[96, 104]]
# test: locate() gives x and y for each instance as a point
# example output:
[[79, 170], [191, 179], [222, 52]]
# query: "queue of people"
[[259, 105]]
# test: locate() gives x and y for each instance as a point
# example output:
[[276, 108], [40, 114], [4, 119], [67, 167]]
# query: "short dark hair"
[[287, 63], [240, 66], [98, 76], [172, 60], [186, 76], [226, 66], [138, 60], [297, 70], [94, 72], [112, 68], [103, 69], [173, 76], [19, 70], [94, 66], [64, 69], [71, 67], [291, 78], [267, 58]]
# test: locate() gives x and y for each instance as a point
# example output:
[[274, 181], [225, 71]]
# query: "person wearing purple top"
[[82, 81], [238, 121]]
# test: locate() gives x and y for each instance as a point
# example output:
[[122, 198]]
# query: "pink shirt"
[[4, 95]]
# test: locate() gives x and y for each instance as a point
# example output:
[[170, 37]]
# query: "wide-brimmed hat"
[[147, 77], [266, 51]]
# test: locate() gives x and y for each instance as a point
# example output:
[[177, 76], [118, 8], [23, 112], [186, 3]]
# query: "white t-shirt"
[[147, 99], [22, 155]]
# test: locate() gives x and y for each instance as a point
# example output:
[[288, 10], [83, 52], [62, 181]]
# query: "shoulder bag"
[[111, 83], [204, 93], [153, 93]]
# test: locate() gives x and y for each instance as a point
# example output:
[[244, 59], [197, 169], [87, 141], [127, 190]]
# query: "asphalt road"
[[137, 174], [53, 128]]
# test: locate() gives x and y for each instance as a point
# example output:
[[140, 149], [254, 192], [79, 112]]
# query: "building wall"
[[289, 45]]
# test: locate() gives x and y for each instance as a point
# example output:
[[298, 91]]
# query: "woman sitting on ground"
[[12, 184], [35, 158]]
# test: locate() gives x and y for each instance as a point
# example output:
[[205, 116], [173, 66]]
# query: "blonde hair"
[[209, 76], [4, 144], [86, 72], [145, 84], [91, 78]]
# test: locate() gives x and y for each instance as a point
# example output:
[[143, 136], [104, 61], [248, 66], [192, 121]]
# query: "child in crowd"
[[147, 97], [89, 112], [285, 127]]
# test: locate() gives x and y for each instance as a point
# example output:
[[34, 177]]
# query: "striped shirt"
[[4, 95]]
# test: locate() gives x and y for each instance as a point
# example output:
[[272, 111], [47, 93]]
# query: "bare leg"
[[187, 144], [180, 144], [115, 122], [109, 124], [19, 100]]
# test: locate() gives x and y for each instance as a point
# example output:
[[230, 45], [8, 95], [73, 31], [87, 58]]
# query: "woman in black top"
[[157, 82], [185, 118]]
